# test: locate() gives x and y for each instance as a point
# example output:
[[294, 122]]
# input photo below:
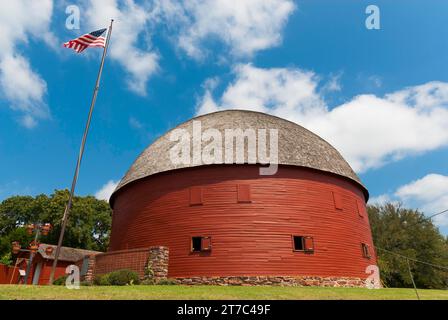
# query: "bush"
[[102, 280], [6, 259], [123, 277], [148, 282], [60, 281]]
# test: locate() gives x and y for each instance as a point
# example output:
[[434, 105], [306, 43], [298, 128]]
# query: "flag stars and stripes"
[[93, 39]]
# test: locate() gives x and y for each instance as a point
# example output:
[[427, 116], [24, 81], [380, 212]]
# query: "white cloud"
[[22, 87], [380, 200], [106, 190], [245, 27], [28, 121], [427, 189], [368, 130], [423, 96], [130, 25], [371, 131], [333, 84], [276, 90], [428, 194]]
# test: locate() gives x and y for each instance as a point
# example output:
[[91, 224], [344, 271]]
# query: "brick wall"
[[134, 259]]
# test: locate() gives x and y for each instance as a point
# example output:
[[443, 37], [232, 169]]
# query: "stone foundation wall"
[[157, 265], [90, 270], [274, 280]]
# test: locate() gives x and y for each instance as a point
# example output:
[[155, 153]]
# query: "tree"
[[407, 232], [88, 225]]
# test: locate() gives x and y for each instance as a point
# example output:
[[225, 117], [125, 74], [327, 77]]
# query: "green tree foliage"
[[88, 225], [409, 233], [6, 259]]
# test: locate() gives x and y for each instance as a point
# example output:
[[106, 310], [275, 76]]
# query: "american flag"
[[92, 39]]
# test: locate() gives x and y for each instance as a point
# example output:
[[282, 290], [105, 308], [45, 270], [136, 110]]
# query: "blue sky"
[[381, 96]]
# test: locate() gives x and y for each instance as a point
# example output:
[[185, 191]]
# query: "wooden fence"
[[7, 272]]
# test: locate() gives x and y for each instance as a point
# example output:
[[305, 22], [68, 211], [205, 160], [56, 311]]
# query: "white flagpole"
[[81, 152]]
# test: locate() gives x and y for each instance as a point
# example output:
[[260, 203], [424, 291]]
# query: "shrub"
[[148, 282], [123, 277], [102, 280], [60, 281], [149, 272], [6, 259]]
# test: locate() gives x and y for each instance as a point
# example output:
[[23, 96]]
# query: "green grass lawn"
[[210, 292]]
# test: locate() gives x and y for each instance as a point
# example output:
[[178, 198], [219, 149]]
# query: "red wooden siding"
[[46, 270], [8, 274], [248, 239]]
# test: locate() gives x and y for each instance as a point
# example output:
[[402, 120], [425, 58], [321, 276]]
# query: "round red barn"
[[227, 221]]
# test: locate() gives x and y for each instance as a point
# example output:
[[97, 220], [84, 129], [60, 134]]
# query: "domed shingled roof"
[[297, 146]]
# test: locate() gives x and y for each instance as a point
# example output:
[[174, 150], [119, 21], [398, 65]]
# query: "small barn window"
[[360, 207], [308, 244], [365, 250], [337, 199], [298, 243], [195, 196], [303, 243], [200, 244], [206, 243], [244, 193]]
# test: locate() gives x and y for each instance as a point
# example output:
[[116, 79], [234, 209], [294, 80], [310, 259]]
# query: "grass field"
[[12, 292]]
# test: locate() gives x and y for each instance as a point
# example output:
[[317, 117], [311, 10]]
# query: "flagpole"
[[81, 152]]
